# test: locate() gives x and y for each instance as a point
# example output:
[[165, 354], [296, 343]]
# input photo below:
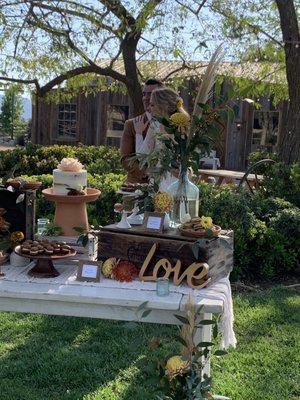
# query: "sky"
[[187, 40]]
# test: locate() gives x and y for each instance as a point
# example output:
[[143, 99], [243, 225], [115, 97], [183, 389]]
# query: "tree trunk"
[[289, 145], [132, 82]]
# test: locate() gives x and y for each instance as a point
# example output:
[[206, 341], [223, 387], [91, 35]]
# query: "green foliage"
[[101, 212], [283, 181], [264, 245], [37, 160], [11, 111], [258, 155]]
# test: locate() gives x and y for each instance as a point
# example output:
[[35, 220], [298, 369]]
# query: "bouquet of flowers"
[[185, 141]]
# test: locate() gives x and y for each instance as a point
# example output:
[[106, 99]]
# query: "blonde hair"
[[167, 101]]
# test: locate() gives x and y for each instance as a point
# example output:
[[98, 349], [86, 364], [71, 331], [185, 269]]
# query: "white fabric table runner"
[[220, 290]]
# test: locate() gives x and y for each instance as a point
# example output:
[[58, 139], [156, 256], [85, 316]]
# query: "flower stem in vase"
[[186, 199]]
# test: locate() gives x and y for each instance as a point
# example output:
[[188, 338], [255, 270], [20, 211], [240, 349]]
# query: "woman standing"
[[163, 103]]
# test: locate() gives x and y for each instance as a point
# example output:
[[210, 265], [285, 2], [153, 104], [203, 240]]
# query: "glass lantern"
[[186, 199]]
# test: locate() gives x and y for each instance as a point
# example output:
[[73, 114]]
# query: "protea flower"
[[124, 271]]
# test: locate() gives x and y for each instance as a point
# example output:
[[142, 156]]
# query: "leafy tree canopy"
[[48, 42]]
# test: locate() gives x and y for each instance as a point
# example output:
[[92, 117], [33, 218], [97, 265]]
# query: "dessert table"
[[110, 299]]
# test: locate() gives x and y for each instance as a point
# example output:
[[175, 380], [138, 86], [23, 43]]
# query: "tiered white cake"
[[69, 174]]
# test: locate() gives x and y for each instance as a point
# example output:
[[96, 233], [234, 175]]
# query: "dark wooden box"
[[134, 244], [21, 216]]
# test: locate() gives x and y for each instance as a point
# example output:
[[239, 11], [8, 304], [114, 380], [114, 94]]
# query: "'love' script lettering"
[[195, 272]]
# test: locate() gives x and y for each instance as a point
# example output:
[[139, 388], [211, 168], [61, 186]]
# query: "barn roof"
[[161, 69]]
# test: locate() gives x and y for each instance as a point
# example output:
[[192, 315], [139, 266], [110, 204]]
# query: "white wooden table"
[[108, 299]]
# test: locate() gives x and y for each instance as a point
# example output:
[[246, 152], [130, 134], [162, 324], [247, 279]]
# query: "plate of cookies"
[[195, 228], [43, 248], [133, 189]]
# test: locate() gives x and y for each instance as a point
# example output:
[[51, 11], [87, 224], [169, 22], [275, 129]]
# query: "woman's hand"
[[140, 123]]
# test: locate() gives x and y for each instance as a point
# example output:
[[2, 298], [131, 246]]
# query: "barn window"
[[265, 128], [116, 117], [67, 120]]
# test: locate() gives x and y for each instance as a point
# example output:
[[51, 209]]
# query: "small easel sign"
[[153, 222], [89, 271]]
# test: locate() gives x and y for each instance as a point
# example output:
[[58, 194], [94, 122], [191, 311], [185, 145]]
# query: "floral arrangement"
[[123, 271], [70, 164], [181, 376], [187, 138], [162, 202]]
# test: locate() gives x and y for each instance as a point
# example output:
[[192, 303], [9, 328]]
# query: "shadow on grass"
[[264, 364], [267, 309], [49, 357]]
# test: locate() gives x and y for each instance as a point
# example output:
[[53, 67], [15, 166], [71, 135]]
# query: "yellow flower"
[[179, 104], [108, 266], [180, 119], [175, 365], [206, 222], [17, 236], [163, 202]]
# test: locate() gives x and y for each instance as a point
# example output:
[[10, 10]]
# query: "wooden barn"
[[99, 119]]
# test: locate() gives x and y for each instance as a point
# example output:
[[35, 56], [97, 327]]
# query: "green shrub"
[[101, 212], [283, 181], [258, 155], [37, 160], [266, 230]]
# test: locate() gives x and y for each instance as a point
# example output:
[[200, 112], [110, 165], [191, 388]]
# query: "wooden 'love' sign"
[[196, 272]]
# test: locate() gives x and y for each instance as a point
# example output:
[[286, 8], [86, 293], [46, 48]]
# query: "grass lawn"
[[64, 358]]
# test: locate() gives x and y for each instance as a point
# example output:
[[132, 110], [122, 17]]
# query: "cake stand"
[[70, 211], [44, 267]]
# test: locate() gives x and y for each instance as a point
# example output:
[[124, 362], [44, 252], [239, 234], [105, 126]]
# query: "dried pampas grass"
[[208, 80]]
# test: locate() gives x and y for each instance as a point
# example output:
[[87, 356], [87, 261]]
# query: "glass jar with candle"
[[162, 287]]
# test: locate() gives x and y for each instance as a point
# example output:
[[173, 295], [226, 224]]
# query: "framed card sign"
[[153, 221], [89, 271]]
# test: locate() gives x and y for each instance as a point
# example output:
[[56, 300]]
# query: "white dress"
[[150, 143]]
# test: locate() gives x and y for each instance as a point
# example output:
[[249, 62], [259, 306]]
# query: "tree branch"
[[60, 33], [181, 68], [24, 81], [253, 27], [117, 8], [195, 12], [79, 71], [148, 9], [65, 11]]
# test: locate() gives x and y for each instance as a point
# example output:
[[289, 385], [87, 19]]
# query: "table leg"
[[70, 215], [220, 180]]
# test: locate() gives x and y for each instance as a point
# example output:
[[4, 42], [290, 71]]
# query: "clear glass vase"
[[186, 199]]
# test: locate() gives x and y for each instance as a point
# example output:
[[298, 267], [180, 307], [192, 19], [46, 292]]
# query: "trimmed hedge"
[[38, 160], [101, 212]]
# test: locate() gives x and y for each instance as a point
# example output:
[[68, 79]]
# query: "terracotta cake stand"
[[70, 211], [44, 267]]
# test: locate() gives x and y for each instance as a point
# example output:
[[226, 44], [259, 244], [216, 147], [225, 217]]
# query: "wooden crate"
[[134, 245], [89, 252], [21, 215]]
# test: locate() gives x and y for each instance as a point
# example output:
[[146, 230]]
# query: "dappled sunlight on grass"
[[65, 358]]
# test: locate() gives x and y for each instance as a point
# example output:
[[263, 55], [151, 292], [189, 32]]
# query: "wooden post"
[[30, 204], [246, 132]]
